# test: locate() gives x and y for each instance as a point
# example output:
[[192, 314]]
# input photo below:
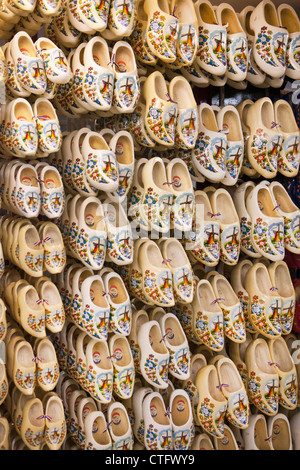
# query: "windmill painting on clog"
[[94, 13], [55, 63], [123, 366], [289, 19]]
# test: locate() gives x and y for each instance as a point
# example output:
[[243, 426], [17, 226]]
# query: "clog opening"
[[206, 298], [121, 344], [175, 252], [243, 272], [160, 87], [31, 297], [158, 346], [161, 417], [263, 281], [260, 435], [124, 57], [2, 433], [28, 177], [154, 255], [271, 14], [244, 117], [23, 112], [289, 20], [180, 411], [97, 142], [283, 199], [282, 356], [180, 175], [181, 93], [36, 410], [81, 55], [225, 292], [247, 23], [197, 364], [204, 443], [265, 202], [53, 233], [232, 121], [96, 292], [213, 384], [267, 114], [286, 118], [124, 150], [229, 375], [99, 425], [281, 435], [184, 12], [157, 314], [115, 214], [100, 54], [207, 13], [45, 45], [228, 16], [25, 356], [227, 442], [120, 424], [244, 346], [202, 204], [208, 119], [116, 285], [51, 178], [45, 110], [283, 281], [175, 335], [140, 320], [164, 6], [93, 216], [263, 358], [224, 205], [141, 12], [54, 409], [46, 352], [138, 172], [26, 46], [100, 350]]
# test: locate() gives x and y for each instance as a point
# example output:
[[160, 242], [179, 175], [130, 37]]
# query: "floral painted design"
[[269, 237], [31, 73], [290, 154], [234, 323], [210, 330], [263, 394], [25, 380], [102, 168], [54, 259], [245, 235], [99, 87], [293, 52], [158, 208], [161, 119], [267, 42], [238, 410], [34, 263], [155, 439], [47, 376], [101, 7], [266, 318], [135, 285], [55, 435], [245, 304], [292, 232], [100, 385], [159, 288], [230, 244], [212, 419], [120, 319], [179, 362], [34, 439], [163, 35]]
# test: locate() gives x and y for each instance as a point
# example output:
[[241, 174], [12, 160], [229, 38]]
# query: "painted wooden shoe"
[[123, 366], [180, 267], [187, 40], [78, 166], [98, 84], [267, 227], [135, 197], [286, 370], [239, 199], [177, 345], [211, 55], [157, 198], [122, 145], [47, 365], [228, 441], [29, 66], [96, 310], [254, 75], [223, 207], [162, 30], [237, 280], [137, 124], [32, 312], [24, 368], [119, 427], [154, 357], [256, 435], [281, 279], [233, 389], [99, 370], [181, 418], [56, 66], [97, 435], [31, 254], [187, 119], [23, 133], [54, 310], [237, 43], [101, 163], [93, 15], [161, 111], [48, 128], [139, 318], [265, 302], [203, 240], [33, 424], [208, 317], [119, 302], [55, 428], [212, 404], [75, 19], [228, 119], [52, 192], [269, 51], [135, 274], [27, 191], [157, 279], [139, 423], [209, 154], [54, 250], [280, 432], [202, 442], [234, 323], [289, 157], [289, 19], [126, 87], [263, 380], [158, 428]]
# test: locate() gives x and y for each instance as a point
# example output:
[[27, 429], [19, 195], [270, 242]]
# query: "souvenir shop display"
[[149, 225]]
